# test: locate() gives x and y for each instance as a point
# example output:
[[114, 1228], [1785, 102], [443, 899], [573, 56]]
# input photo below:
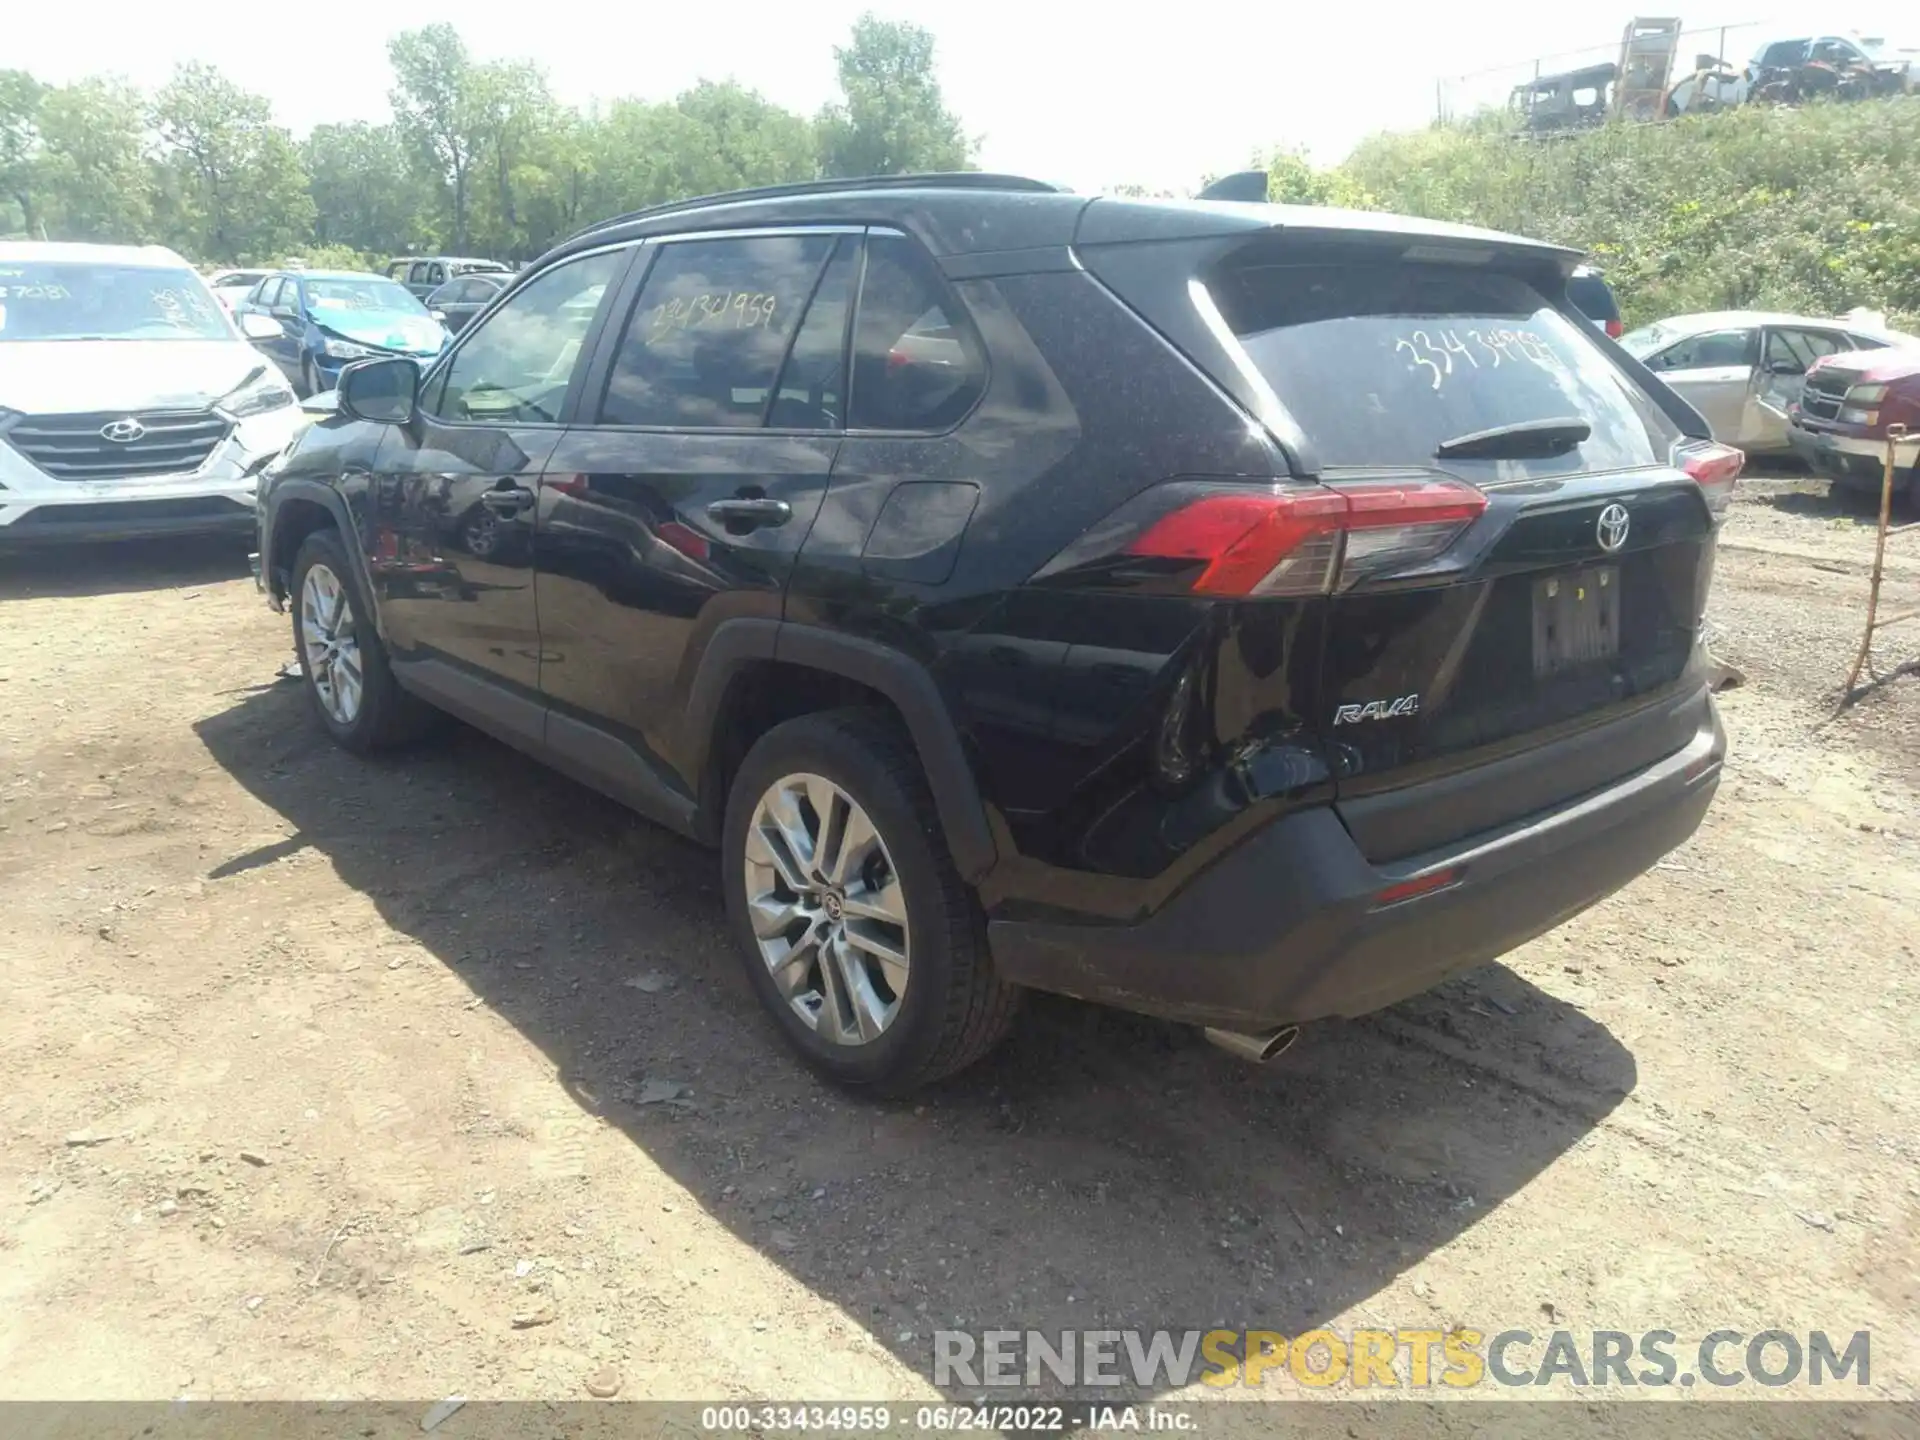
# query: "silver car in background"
[[1741, 369], [130, 405]]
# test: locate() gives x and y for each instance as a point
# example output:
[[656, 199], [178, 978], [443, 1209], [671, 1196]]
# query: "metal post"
[[1895, 434]]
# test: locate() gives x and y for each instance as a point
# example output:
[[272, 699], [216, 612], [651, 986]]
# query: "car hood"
[[418, 334], [1876, 367], [53, 377]]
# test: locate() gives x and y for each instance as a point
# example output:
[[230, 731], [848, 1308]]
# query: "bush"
[[1813, 209]]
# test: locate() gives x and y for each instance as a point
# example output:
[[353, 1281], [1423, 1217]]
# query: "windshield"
[[41, 301], [1381, 365], [369, 296], [1647, 339]]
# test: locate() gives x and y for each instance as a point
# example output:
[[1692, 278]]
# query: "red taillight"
[[1615, 329], [1311, 539], [1714, 468]]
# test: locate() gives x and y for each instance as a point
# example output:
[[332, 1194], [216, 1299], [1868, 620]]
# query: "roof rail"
[[941, 180]]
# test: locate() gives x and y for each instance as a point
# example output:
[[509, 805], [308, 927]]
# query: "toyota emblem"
[[1612, 529], [123, 432]]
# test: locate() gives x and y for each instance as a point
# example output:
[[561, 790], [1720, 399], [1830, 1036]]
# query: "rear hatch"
[[1573, 597], [1520, 536]]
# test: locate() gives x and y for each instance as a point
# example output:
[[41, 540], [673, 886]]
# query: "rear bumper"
[[1853, 461], [1286, 929]]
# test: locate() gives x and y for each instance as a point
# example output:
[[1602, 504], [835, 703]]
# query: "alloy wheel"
[[332, 644], [827, 909]]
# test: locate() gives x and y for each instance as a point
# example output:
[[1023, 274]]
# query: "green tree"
[[93, 137], [1292, 180], [892, 119], [510, 114], [364, 195], [21, 174], [745, 139], [433, 104], [232, 183]]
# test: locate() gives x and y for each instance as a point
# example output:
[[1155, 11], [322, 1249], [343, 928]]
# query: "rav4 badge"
[[1377, 710]]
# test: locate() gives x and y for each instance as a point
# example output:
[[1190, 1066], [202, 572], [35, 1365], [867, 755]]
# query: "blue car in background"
[[312, 322]]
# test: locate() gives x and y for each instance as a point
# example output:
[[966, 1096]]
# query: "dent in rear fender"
[[1175, 730]]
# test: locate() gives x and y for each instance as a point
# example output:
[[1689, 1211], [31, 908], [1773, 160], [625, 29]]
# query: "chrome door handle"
[[750, 511], [508, 502]]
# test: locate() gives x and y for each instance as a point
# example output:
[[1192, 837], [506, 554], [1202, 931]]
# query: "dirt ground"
[[328, 1078]]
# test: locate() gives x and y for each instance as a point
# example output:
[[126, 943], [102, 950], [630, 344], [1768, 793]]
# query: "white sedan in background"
[[1741, 369], [230, 287]]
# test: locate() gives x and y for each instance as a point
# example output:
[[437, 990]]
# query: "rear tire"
[[343, 664], [936, 1008]]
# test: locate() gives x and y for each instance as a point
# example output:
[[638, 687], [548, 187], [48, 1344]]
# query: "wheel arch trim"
[[335, 504], [739, 643]]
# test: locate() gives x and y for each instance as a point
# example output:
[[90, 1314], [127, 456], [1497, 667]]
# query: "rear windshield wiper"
[[1523, 440]]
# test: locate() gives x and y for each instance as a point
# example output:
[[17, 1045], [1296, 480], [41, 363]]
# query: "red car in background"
[[1839, 425]]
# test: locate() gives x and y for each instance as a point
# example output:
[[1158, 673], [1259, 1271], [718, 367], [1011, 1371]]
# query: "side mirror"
[[256, 326], [382, 391], [439, 315]]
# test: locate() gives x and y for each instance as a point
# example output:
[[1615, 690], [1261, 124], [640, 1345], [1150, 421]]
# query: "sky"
[[1086, 96]]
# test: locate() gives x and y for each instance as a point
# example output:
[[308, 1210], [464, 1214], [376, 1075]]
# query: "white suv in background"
[[129, 403]]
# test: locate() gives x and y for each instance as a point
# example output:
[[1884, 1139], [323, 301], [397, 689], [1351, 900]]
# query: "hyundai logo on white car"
[[123, 432]]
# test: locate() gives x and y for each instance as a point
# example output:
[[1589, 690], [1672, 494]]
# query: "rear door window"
[[916, 365], [1790, 348], [1710, 350], [710, 330], [812, 390], [1382, 364]]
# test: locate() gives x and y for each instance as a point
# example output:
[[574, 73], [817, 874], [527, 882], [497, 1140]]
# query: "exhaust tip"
[[1258, 1047]]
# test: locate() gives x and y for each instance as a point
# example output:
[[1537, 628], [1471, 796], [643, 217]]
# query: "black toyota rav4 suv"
[[1238, 613]]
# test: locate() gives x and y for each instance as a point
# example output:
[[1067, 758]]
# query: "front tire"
[[343, 663], [309, 378], [858, 934]]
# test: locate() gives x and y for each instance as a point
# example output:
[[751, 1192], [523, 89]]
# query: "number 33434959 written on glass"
[[729, 309], [1439, 354]]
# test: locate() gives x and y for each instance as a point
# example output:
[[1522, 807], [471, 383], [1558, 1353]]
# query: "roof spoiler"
[[1245, 185]]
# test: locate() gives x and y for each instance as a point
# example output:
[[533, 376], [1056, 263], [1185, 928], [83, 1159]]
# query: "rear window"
[[1381, 364]]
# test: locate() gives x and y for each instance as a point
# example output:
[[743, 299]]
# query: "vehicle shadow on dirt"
[[1101, 1171], [122, 566], [1859, 507]]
